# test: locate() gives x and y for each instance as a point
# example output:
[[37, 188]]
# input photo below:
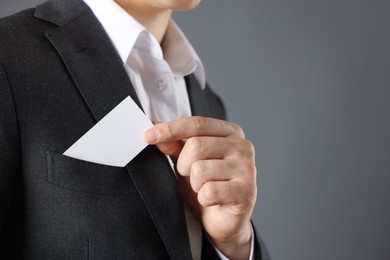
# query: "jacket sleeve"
[[10, 164], [260, 250]]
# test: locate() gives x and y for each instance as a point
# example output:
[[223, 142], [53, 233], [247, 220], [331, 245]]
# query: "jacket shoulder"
[[18, 30], [16, 21]]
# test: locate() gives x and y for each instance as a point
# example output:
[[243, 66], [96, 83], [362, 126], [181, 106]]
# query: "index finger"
[[188, 127]]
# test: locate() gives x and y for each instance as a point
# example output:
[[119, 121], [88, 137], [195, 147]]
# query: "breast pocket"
[[81, 176]]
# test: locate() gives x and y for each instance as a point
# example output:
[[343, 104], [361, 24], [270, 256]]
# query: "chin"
[[184, 4]]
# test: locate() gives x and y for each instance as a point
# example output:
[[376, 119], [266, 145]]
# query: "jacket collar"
[[60, 12]]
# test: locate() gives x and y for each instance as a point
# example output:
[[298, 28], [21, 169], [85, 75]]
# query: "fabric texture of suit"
[[59, 75]]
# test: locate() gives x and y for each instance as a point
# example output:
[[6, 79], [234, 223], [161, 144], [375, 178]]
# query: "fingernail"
[[151, 136]]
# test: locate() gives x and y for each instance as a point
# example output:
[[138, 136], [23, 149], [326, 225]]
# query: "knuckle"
[[248, 194], [252, 170], [251, 177], [237, 129], [209, 193], [195, 144], [170, 131], [198, 170], [251, 148], [180, 167], [197, 175], [247, 149], [199, 124], [252, 197], [195, 185], [251, 187]]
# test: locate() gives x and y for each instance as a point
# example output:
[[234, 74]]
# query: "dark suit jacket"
[[59, 75]]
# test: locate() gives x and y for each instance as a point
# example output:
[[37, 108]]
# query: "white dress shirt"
[[157, 73]]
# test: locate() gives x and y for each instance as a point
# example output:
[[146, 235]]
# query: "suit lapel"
[[98, 73], [93, 63]]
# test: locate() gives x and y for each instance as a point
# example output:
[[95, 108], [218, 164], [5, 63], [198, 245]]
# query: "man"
[[63, 67]]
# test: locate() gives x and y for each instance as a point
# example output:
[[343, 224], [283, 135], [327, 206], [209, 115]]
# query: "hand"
[[217, 176]]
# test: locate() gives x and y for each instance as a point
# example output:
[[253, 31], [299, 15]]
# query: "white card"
[[116, 139]]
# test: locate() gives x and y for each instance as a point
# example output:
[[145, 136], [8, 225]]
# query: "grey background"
[[309, 81]]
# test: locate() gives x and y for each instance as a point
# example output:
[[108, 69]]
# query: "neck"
[[155, 21]]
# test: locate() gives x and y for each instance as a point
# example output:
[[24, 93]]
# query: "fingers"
[[216, 165], [192, 126], [208, 148], [219, 170], [225, 193]]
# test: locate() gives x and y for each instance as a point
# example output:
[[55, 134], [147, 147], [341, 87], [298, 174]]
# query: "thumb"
[[172, 148]]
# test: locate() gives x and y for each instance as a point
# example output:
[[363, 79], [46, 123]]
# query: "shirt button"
[[161, 84]]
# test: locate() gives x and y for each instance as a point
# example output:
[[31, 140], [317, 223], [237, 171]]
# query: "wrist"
[[236, 247]]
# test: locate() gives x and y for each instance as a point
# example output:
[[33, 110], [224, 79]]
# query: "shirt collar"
[[124, 32], [180, 55]]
